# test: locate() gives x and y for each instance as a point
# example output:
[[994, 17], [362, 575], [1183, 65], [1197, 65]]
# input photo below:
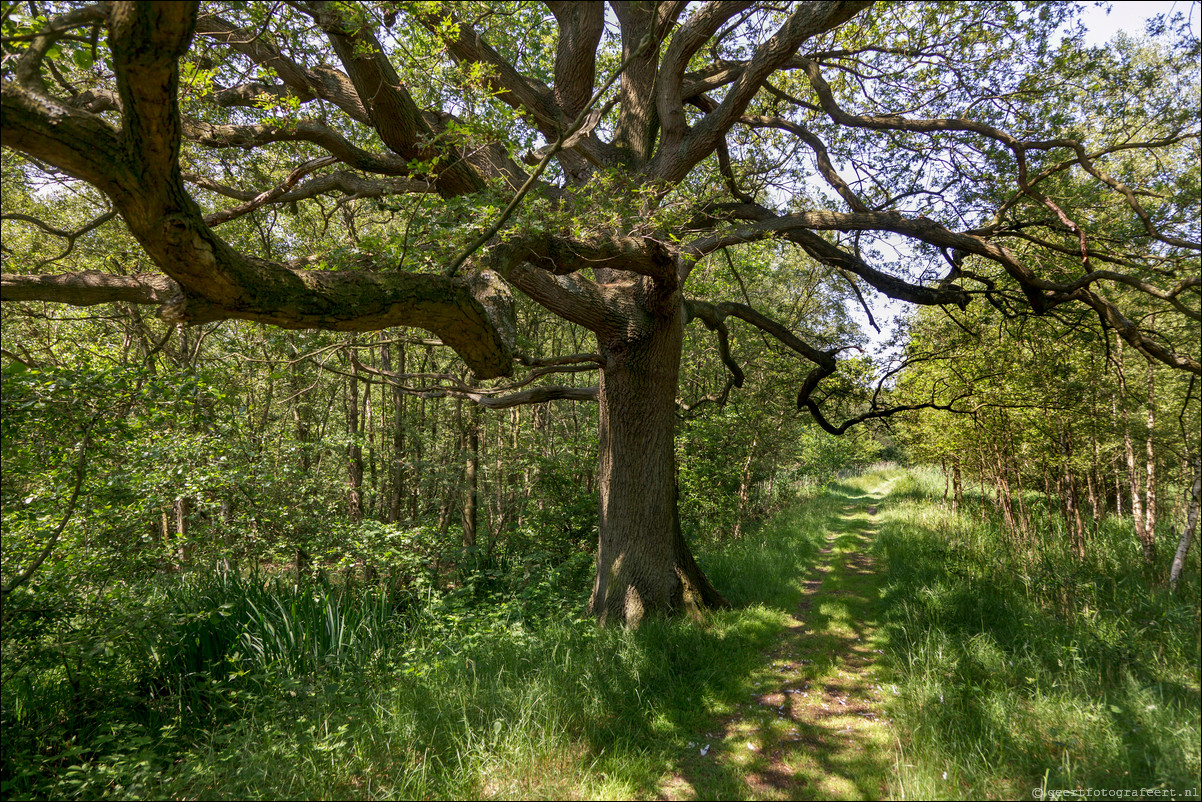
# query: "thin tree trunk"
[[304, 564], [981, 474], [947, 481], [497, 507], [418, 453], [1118, 491], [1024, 517], [472, 493], [227, 537], [1181, 501], [1093, 476], [1048, 493], [1150, 496], [396, 481], [514, 512], [437, 480], [1091, 493], [770, 490], [1072, 504], [447, 507], [367, 435], [745, 485], [957, 486], [1092, 486], [1137, 512], [354, 453], [1191, 525], [183, 546], [1007, 502], [302, 411]]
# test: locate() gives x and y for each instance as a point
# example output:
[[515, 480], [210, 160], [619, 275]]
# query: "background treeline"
[[238, 446], [1071, 433]]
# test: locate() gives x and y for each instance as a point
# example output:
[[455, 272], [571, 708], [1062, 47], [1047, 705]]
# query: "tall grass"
[[256, 625], [107, 689], [1020, 667]]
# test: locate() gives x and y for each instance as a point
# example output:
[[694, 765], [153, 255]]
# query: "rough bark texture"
[[644, 566], [89, 288], [637, 123]]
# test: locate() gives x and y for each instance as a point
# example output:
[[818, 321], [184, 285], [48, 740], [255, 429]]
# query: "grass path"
[[813, 728]]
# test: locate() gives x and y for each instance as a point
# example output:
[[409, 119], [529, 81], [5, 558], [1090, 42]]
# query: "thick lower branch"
[[88, 288], [466, 316], [343, 181], [139, 170], [483, 397]]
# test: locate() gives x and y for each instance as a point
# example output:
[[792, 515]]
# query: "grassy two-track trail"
[[920, 652], [813, 727]]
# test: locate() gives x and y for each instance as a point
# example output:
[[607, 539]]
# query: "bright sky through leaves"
[[1102, 21], [1131, 17]]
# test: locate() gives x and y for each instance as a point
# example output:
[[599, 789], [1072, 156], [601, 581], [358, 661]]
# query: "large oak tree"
[[914, 150]]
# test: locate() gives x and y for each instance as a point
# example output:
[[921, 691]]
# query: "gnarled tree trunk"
[[644, 566]]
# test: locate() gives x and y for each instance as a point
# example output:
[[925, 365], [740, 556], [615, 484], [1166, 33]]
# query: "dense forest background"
[[240, 445], [239, 559]]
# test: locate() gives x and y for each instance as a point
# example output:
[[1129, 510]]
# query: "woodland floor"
[[815, 730]]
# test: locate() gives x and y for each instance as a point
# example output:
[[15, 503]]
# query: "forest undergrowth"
[[1002, 671]]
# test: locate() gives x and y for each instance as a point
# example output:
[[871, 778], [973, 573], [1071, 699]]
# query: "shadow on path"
[[812, 729]]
